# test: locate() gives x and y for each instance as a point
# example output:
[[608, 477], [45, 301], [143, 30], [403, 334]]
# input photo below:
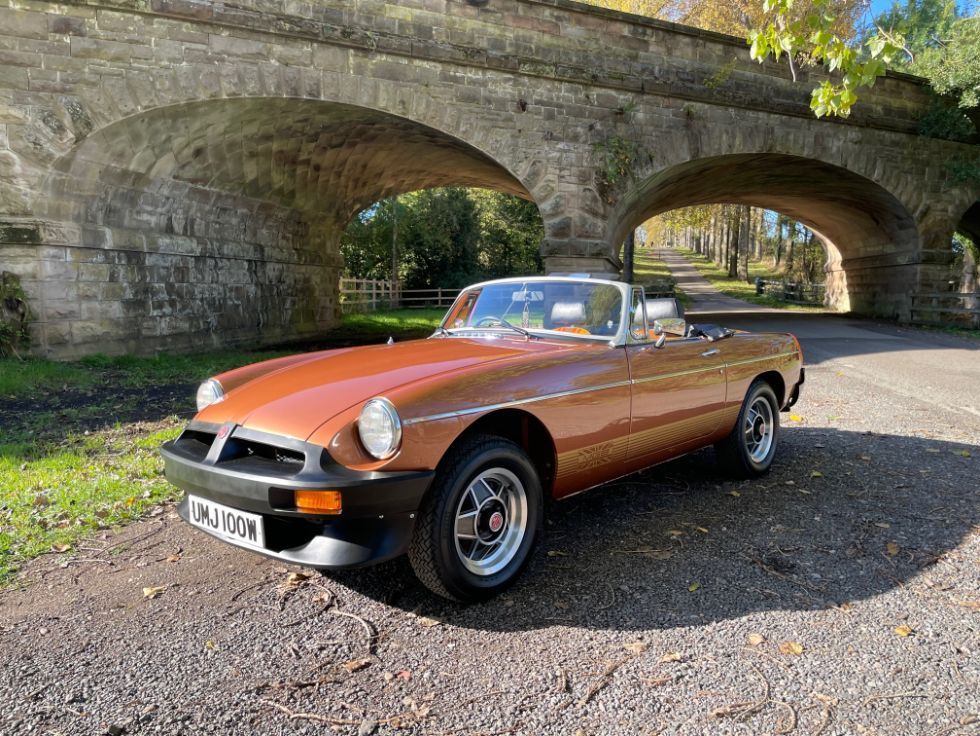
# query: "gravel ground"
[[838, 595]]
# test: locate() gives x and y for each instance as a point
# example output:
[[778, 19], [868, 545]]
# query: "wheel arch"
[[777, 383], [523, 429]]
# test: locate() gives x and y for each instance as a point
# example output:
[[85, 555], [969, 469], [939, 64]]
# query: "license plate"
[[234, 525]]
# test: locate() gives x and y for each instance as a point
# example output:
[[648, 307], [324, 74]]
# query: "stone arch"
[[871, 238], [218, 221]]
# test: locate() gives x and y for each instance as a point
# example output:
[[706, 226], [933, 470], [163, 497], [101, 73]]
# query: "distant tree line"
[[733, 235], [446, 237]]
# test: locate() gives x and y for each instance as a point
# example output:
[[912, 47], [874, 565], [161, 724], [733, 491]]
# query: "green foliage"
[[963, 172], [617, 157], [953, 66], [444, 237], [14, 316], [812, 38], [946, 121]]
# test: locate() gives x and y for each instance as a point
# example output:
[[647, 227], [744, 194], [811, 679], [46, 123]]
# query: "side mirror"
[[671, 326]]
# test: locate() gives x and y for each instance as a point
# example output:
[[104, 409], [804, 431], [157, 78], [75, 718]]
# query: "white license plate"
[[234, 525]]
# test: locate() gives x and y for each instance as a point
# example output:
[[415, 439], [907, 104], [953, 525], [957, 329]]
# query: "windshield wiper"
[[515, 328], [440, 330]]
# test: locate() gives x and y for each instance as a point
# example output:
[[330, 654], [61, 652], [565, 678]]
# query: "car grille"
[[197, 443]]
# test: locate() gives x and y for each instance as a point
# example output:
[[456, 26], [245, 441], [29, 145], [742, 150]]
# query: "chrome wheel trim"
[[759, 429], [494, 493]]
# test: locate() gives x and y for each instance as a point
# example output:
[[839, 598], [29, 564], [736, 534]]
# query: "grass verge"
[[79, 440], [648, 267], [744, 290]]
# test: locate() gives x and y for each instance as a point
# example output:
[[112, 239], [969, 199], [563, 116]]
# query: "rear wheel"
[[479, 522], [749, 450]]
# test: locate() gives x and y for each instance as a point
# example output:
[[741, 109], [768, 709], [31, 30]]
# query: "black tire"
[[735, 452], [436, 554]]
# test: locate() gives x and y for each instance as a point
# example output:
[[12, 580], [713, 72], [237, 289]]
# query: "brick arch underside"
[[218, 222], [868, 234]]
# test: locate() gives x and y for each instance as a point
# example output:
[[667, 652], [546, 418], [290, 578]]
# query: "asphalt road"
[[840, 594]]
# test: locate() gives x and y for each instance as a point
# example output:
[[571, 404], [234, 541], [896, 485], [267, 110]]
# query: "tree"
[[445, 237]]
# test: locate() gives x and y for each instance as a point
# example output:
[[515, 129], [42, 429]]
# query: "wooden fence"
[[795, 293], [369, 295], [948, 308]]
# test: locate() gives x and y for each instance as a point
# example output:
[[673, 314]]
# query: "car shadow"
[[841, 517]]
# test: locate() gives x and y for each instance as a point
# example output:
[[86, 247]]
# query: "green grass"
[[391, 322], [648, 268], [744, 290], [69, 467], [18, 379], [57, 492]]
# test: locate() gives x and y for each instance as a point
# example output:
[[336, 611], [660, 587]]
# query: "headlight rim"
[[218, 391], [392, 413]]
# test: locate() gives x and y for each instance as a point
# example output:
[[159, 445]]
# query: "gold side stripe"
[[574, 392]]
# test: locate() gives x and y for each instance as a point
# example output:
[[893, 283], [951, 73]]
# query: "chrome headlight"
[[209, 392], [380, 428]]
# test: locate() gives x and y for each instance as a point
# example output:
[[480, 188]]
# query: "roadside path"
[[705, 297]]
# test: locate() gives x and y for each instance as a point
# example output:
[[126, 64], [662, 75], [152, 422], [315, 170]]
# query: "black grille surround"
[[258, 472]]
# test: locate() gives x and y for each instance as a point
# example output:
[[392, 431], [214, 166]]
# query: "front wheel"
[[748, 451], [479, 522]]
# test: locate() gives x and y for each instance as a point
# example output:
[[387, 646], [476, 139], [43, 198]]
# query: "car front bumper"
[[258, 472]]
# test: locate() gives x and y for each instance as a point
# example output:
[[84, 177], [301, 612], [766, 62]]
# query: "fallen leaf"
[[60, 547], [356, 664], [816, 474], [428, 622], [153, 592], [962, 453], [557, 553], [795, 418], [883, 525], [656, 681], [693, 587], [635, 647], [791, 647], [866, 458], [701, 529], [933, 450], [662, 554], [210, 645], [404, 675], [295, 579], [904, 630], [756, 639], [736, 494], [670, 657], [892, 549], [676, 533], [173, 558]]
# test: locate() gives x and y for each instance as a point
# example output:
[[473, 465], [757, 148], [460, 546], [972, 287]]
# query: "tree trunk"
[[628, 248], [744, 249]]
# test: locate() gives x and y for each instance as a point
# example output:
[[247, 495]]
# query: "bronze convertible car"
[[445, 448]]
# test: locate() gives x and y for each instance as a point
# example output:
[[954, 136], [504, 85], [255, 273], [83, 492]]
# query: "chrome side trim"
[[574, 392], [676, 374], [764, 357], [509, 404]]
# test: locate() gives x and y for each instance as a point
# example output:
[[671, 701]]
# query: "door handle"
[[709, 353]]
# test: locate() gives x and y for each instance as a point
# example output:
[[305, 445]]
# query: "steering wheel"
[[488, 321]]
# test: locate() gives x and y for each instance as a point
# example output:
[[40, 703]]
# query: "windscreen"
[[568, 307]]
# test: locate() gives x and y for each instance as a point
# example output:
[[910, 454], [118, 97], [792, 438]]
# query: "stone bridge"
[[175, 174]]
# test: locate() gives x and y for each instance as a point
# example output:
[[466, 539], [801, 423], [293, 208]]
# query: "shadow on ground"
[[843, 516]]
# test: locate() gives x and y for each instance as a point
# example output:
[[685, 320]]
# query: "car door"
[[678, 392]]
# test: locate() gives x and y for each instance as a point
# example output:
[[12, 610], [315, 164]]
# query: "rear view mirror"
[[670, 326]]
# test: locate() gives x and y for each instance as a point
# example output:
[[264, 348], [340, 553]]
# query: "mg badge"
[[496, 521]]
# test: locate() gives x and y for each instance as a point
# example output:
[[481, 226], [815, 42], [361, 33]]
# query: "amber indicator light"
[[321, 502]]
